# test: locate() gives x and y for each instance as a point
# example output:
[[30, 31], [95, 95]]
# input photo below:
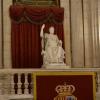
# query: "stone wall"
[[82, 43]]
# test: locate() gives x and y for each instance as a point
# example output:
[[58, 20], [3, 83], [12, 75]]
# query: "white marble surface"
[[87, 34], [67, 30], [77, 33], [53, 54], [7, 33], [56, 66], [94, 33], [0, 36]]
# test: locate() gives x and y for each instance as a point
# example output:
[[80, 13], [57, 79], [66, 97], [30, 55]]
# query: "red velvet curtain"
[[25, 33]]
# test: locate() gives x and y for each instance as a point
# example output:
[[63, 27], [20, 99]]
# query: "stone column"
[[95, 33], [7, 33], [0, 33], [99, 26], [65, 4], [77, 35], [99, 18], [88, 41]]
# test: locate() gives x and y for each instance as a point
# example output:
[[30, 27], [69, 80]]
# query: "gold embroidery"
[[65, 92]]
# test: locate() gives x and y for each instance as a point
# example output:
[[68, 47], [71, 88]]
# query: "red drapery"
[[26, 22]]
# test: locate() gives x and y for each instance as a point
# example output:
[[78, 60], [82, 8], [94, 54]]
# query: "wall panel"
[[95, 34], [0, 33], [88, 41], [66, 5], [7, 33], [99, 27], [77, 33]]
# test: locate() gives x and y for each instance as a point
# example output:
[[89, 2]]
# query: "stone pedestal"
[[56, 66]]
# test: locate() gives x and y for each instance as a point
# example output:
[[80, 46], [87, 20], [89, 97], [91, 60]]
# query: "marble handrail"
[[19, 81]]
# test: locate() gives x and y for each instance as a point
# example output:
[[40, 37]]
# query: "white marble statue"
[[52, 50]]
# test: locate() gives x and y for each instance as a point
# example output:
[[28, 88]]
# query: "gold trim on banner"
[[55, 73]]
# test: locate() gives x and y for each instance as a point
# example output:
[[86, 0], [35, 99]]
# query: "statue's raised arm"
[[41, 32], [43, 38]]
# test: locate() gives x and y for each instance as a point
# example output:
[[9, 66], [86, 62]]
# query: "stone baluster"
[[30, 85], [26, 84], [0, 84], [19, 84], [12, 84], [0, 88]]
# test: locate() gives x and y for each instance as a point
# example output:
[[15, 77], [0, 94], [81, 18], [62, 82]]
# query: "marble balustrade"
[[17, 84]]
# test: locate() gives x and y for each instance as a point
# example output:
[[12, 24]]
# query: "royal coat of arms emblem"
[[65, 92]]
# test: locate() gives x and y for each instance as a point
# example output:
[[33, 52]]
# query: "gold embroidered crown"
[[65, 89]]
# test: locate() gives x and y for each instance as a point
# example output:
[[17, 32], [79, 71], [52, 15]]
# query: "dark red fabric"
[[37, 14], [25, 35], [45, 86], [26, 48]]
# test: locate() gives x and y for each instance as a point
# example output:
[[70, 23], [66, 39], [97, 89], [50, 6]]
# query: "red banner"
[[64, 86]]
